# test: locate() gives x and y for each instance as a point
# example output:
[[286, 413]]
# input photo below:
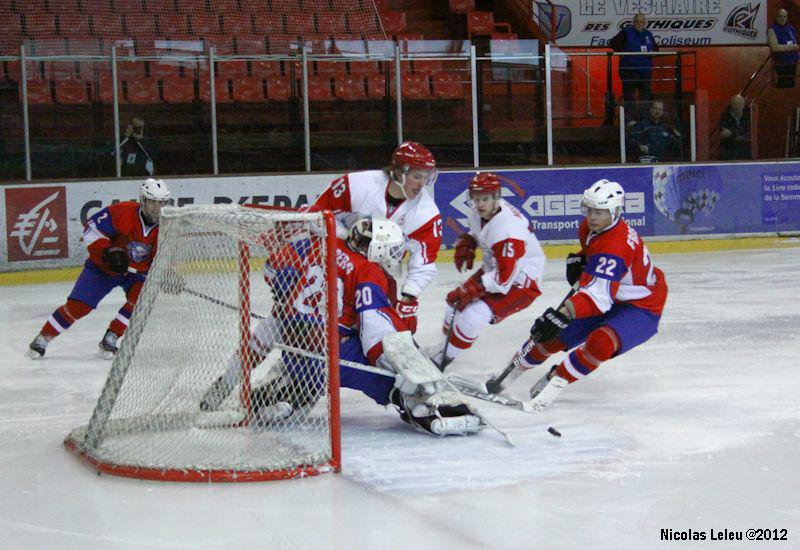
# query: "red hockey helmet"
[[484, 183], [411, 154]]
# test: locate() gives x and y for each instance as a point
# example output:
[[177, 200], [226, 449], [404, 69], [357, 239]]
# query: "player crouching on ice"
[[507, 282], [371, 333], [122, 240], [617, 306]]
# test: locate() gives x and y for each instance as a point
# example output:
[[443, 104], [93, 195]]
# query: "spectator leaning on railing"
[[635, 71], [734, 131], [136, 152], [782, 40]]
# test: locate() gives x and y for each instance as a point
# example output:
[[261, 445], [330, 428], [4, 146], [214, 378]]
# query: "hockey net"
[[206, 312]]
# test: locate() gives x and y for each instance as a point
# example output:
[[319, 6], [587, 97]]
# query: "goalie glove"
[[465, 251], [549, 325], [460, 297], [117, 259], [575, 265]]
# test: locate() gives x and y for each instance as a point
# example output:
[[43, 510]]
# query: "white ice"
[[697, 429]]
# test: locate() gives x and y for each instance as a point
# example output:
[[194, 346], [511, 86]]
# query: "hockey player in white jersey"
[[403, 193], [509, 279]]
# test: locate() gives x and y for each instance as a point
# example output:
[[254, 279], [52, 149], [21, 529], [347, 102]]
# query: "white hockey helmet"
[[155, 190], [381, 241], [604, 195]]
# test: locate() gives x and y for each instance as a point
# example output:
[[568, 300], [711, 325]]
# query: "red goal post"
[[194, 319]]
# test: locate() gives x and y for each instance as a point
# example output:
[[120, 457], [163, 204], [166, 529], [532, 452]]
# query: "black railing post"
[[679, 79], [609, 120]]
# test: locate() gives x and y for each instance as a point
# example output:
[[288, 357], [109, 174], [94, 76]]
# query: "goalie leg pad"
[[441, 414], [414, 370], [546, 390]]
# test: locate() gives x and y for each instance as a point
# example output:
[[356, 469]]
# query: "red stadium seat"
[[416, 86], [447, 85], [59, 70], [105, 90], [265, 68], [13, 71], [281, 43], [190, 7], [64, 6], [248, 89], [461, 6], [427, 65], [301, 24], [376, 86], [74, 25], [41, 25], [225, 6], [220, 89], [350, 87], [38, 92], [173, 25], [131, 70], [331, 67], [480, 23], [178, 90], [250, 45], [205, 25], [143, 91], [279, 88], [319, 88], [139, 24], [332, 23], [362, 67], [382, 5], [394, 22], [106, 24], [165, 68], [72, 91], [236, 24], [268, 23], [231, 69]]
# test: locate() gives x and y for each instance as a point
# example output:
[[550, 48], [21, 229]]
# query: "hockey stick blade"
[[473, 389]]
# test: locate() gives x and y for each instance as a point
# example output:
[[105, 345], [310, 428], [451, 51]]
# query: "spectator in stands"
[[635, 71], [734, 131], [655, 140], [136, 152], [782, 40]]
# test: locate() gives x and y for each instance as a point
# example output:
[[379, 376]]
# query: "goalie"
[[370, 331]]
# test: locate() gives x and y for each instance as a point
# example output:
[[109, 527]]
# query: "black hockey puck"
[[552, 431]]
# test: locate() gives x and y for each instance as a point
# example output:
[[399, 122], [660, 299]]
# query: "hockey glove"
[[465, 251], [407, 311], [117, 259], [575, 265], [549, 325], [460, 297]]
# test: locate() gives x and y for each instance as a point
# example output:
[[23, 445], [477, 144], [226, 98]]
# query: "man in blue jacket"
[[635, 71], [782, 40]]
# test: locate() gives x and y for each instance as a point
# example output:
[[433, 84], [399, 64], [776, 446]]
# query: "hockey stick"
[[218, 302], [495, 385], [473, 388], [443, 363]]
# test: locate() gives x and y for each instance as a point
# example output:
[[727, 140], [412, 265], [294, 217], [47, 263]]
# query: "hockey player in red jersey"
[[507, 282], [122, 240], [618, 304], [367, 316], [403, 193]]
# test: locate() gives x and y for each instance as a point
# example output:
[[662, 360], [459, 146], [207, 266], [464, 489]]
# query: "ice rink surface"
[[697, 429]]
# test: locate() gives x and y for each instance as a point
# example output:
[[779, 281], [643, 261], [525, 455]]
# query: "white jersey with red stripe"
[[618, 270], [512, 255], [361, 194]]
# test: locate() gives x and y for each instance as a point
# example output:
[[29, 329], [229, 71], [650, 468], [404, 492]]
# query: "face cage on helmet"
[[392, 256], [615, 212]]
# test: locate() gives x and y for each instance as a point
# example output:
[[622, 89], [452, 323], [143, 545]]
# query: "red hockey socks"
[[601, 345], [123, 318], [63, 318]]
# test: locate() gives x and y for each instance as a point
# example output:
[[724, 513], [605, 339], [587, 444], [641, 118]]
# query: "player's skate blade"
[[107, 348], [37, 347]]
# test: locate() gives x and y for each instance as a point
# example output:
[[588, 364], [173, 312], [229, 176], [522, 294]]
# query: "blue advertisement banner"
[[660, 200]]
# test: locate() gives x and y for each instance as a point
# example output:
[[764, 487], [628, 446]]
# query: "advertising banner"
[[674, 23], [44, 223], [662, 200]]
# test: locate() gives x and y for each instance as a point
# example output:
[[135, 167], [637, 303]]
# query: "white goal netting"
[[225, 370]]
